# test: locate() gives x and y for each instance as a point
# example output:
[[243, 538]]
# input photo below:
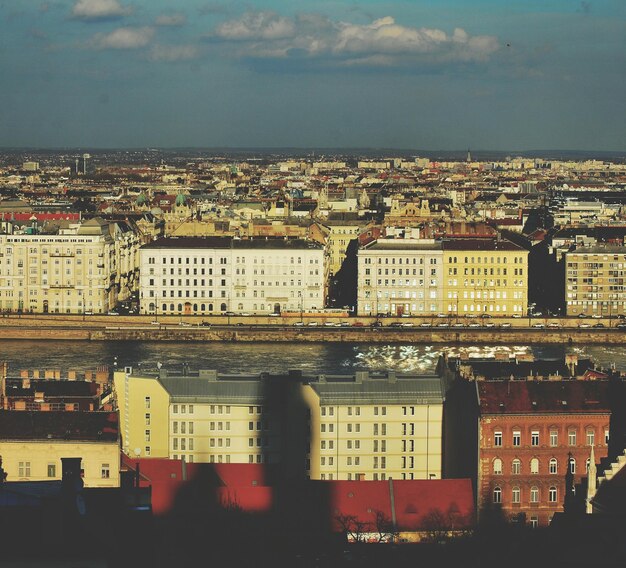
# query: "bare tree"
[[383, 527], [352, 527]]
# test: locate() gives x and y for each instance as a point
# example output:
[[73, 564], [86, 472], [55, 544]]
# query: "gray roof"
[[224, 391], [405, 390]]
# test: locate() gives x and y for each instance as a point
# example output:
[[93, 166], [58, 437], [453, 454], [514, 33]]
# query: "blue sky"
[[423, 74]]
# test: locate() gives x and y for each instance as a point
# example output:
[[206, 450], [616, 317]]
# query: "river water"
[[274, 357]]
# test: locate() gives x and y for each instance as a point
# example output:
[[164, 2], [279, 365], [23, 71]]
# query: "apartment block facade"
[[219, 274], [457, 277], [484, 276], [73, 271], [397, 277], [595, 279], [355, 427], [530, 434]]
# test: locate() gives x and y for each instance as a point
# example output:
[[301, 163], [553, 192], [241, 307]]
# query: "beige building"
[[362, 426], [73, 271], [594, 280], [340, 233], [484, 276], [33, 444]]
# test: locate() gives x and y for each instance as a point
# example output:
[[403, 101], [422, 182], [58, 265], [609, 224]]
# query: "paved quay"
[[278, 329]]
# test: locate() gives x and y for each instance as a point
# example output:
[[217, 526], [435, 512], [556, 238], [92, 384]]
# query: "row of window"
[[516, 437], [24, 470], [553, 466], [330, 410], [516, 495]]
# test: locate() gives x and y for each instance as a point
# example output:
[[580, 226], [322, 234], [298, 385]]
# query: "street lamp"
[[301, 304]]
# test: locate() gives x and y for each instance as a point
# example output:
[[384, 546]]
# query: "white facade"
[[216, 275], [398, 276]]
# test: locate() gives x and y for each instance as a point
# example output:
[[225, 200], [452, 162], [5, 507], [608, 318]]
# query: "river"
[[274, 357]]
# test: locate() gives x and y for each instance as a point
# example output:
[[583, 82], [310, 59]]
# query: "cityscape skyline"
[[110, 73]]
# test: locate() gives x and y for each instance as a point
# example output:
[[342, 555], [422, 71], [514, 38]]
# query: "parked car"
[[505, 324], [599, 324]]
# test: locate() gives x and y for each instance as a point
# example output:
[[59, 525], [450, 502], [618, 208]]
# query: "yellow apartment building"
[[33, 444], [360, 426], [484, 276]]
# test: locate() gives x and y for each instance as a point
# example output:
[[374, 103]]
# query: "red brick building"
[[529, 433]]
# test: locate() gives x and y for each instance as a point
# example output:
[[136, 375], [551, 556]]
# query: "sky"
[[413, 74]]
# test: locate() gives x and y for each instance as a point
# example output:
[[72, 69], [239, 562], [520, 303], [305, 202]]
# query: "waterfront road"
[[314, 329]]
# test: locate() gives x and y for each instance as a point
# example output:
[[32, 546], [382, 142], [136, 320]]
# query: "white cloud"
[[173, 52], [381, 43], [123, 38], [255, 26], [90, 10], [176, 19]]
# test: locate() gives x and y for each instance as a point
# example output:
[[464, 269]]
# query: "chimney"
[[361, 376], [391, 377], [208, 374]]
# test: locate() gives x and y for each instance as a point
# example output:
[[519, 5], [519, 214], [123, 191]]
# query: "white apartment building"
[[194, 275], [398, 276], [73, 271]]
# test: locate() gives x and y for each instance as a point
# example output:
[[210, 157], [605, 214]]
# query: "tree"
[[352, 527], [383, 527]]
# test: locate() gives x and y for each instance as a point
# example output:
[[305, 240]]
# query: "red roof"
[[8, 216], [562, 397], [245, 486]]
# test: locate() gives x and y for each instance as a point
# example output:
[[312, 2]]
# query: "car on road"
[[298, 324], [358, 324], [599, 324], [458, 325], [474, 324], [443, 324], [490, 324], [407, 324], [505, 324], [424, 324], [539, 325], [395, 324], [584, 325], [312, 323], [621, 325], [553, 325]]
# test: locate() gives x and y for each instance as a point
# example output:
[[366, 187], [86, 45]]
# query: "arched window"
[[195, 307], [202, 306], [552, 494], [516, 495], [210, 307], [516, 467], [572, 465], [240, 306], [223, 307], [172, 307], [497, 466], [497, 495], [180, 307], [587, 463], [534, 494], [152, 306], [534, 465], [554, 466]]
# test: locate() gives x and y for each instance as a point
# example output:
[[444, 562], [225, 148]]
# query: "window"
[[572, 465], [24, 469], [516, 495], [571, 437], [534, 465], [147, 419], [591, 437], [606, 436], [554, 466], [552, 495], [497, 466], [517, 437], [147, 401], [497, 495], [516, 467], [105, 471], [554, 438], [534, 494], [52, 470], [534, 438], [147, 435], [497, 438], [534, 522]]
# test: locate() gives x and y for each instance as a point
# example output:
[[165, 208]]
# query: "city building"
[[594, 280], [530, 433], [400, 276], [72, 271], [484, 276], [222, 274], [33, 444], [362, 426]]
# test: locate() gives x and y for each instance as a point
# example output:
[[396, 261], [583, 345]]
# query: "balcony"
[[62, 254]]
